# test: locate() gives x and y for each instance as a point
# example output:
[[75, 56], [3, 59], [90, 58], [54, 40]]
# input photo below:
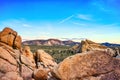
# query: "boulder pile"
[[88, 45]]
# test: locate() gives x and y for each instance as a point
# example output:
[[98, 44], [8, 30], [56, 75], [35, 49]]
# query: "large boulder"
[[41, 73], [28, 54], [45, 64], [87, 45], [42, 57], [92, 65], [11, 38], [11, 65]]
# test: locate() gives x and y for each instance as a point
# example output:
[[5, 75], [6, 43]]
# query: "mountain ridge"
[[52, 42]]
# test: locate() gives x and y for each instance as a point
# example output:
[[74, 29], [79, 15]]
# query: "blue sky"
[[97, 20]]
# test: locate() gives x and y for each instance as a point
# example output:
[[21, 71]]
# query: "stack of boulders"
[[13, 64], [17, 63], [45, 64], [11, 38], [88, 45]]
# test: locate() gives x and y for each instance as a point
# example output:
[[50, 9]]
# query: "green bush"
[[57, 52]]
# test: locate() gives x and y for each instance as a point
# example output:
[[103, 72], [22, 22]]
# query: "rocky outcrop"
[[45, 64], [11, 38], [27, 53], [43, 58], [88, 45], [41, 73], [12, 63], [92, 65]]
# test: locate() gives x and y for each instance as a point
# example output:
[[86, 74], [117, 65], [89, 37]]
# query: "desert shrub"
[[57, 52]]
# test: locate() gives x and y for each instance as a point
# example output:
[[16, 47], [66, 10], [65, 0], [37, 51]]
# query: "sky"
[[97, 20]]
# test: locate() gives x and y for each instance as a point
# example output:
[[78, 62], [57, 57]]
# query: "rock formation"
[[12, 64], [45, 63], [27, 53], [10, 37], [92, 65], [42, 57], [88, 45]]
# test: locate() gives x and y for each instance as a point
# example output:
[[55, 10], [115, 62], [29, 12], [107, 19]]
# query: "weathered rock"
[[10, 64], [13, 66], [4, 54], [92, 65], [41, 74], [10, 37], [26, 61], [45, 58], [29, 55], [17, 43], [26, 72], [11, 76], [87, 45], [5, 66]]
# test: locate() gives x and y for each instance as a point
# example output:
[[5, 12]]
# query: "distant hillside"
[[50, 42], [110, 44]]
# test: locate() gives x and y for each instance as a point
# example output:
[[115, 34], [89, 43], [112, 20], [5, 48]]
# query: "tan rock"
[[13, 64], [45, 58], [27, 52], [10, 37], [41, 74], [87, 45], [26, 72], [11, 76], [110, 76], [84, 65], [6, 56], [17, 43], [5, 66], [26, 61]]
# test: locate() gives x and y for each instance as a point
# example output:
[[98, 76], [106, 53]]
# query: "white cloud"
[[66, 19], [84, 17], [73, 39], [26, 25], [79, 24]]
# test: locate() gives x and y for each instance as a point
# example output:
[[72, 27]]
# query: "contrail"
[[66, 19]]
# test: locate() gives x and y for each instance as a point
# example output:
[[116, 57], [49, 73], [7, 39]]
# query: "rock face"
[[41, 74], [10, 37], [27, 53], [44, 58], [92, 65], [45, 64], [88, 45], [12, 64]]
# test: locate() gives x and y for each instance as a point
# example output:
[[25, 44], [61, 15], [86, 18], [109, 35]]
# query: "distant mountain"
[[110, 44], [50, 42]]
